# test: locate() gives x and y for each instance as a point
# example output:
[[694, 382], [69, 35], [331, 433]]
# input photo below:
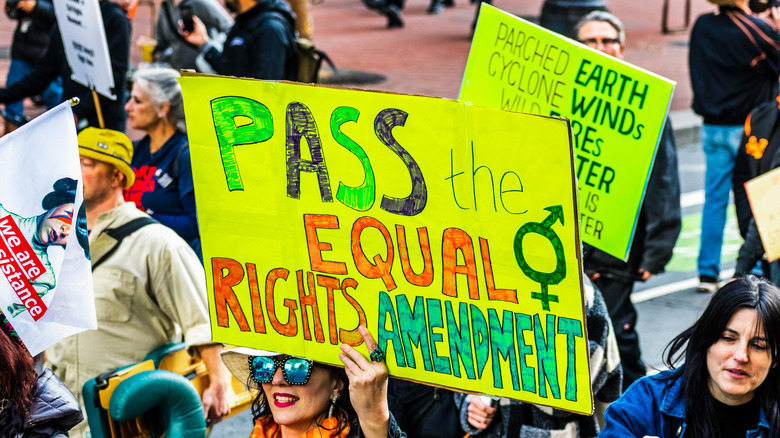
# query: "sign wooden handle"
[[97, 109]]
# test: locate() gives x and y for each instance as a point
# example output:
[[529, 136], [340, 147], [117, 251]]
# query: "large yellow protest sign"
[[617, 113], [449, 231], [762, 193]]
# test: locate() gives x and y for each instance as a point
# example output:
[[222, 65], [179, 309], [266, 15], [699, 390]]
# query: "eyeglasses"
[[296, 370], [604, 41]]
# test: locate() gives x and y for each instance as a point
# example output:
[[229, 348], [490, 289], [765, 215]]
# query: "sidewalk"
[[686, 126]]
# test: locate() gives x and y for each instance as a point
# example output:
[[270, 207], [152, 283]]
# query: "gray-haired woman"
[[161, 160]]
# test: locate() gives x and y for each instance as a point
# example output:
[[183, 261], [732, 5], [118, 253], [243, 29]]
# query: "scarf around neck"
[[267, 428]]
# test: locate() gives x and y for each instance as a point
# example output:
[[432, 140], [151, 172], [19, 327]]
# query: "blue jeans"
[[720, 144], [52, 95]]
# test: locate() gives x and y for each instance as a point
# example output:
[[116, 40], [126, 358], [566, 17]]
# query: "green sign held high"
[[616, 111]]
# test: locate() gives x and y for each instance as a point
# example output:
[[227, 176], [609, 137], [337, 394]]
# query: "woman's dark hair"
[[64, 193], [343, 410], [693, 344], [17, 383]]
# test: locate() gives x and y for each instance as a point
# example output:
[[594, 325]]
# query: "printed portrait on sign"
[[26, 263]]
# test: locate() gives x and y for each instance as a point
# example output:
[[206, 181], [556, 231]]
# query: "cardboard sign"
[[617, 113], [84, 39], [439, 226], [45, 272], [762, 193]]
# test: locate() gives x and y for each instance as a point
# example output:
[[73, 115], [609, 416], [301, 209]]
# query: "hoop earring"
[[332, 405]]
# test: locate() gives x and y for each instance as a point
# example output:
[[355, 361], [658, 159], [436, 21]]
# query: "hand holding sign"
[[480, 415], [367, 387]]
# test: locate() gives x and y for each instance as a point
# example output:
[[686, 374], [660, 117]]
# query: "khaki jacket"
[[150, 292]]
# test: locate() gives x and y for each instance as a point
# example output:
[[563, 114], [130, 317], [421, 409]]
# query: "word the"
[[510, 178]]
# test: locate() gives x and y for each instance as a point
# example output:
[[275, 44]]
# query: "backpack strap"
[[300, 43], [281, 16], [122, 231], [745, 25]]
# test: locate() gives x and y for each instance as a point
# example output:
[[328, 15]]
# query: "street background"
[[428, 56]]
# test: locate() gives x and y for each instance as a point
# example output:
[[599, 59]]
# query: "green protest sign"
[[433, 223], [616, 110]]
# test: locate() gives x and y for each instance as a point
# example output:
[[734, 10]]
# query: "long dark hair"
[[17, 382], [693, 344], [343, 410]]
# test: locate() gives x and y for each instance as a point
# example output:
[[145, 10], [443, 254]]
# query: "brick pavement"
[[428, 55]]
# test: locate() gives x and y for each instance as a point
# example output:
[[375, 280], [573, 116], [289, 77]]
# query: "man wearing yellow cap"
[[149, 285]]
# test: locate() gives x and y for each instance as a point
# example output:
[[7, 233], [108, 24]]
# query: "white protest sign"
[[762, 193], [45, 272], [84, 39]]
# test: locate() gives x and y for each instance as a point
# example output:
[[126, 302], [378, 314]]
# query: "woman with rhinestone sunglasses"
[[298, 397]]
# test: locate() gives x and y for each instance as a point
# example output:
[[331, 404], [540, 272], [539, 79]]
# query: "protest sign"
[[84, 40], [45, 272], [762, 193], [435, 224], [617, 113]]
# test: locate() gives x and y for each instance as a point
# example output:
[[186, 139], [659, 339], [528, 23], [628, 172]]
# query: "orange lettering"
[[309, 300], [455, 240], [223, 291], [254, 294], [382, 267], [509, 295], [291, 328], [311, 223], [426, 278]]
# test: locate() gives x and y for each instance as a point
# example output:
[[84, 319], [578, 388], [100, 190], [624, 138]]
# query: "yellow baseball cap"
[[109, 146]]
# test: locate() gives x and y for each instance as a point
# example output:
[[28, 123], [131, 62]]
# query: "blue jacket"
[[260, 45], [654, 406]]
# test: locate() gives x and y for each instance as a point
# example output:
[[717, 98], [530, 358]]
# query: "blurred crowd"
[[149, 279]]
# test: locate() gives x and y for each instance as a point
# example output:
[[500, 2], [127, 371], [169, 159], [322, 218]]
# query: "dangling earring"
[[332, 405]]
